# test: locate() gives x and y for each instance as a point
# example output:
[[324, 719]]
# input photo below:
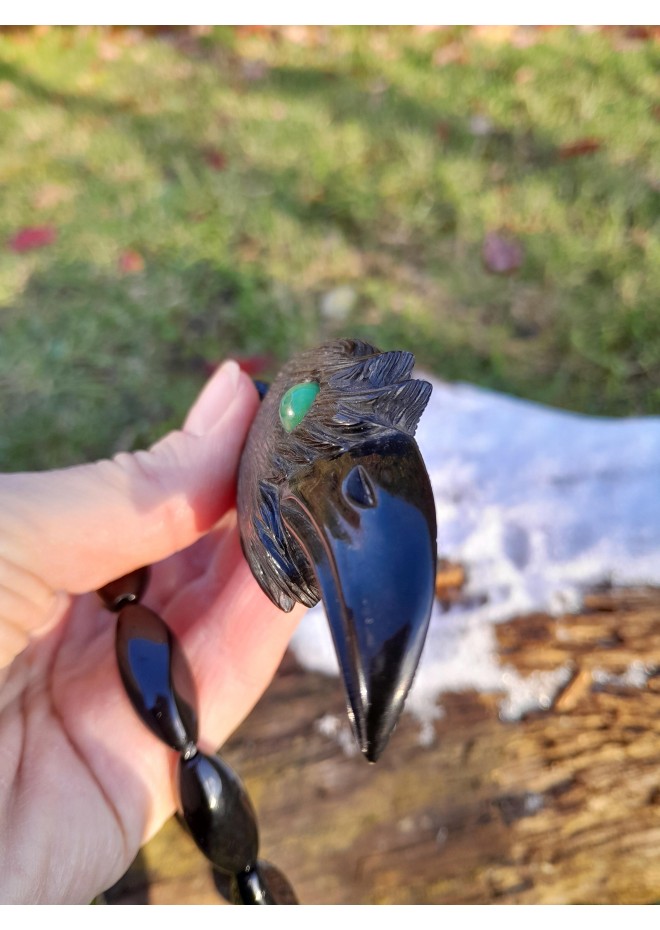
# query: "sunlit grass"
[[255, 174]]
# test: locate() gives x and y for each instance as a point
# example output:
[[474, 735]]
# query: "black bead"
[[262, 387], [262, 884], [125, 590], [218, 812], [156, 677]]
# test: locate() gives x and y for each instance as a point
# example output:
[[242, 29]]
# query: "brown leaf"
[[32, 237], [443, 130], [449, 582], [51, 195], [524, 75], [308, 36], [642, 33], [453, 53], [215, 159], [494, 35], [586, 146], [7, 95], [501, 254]]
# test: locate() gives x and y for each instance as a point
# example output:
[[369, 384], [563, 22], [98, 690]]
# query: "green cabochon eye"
[[296, 403]]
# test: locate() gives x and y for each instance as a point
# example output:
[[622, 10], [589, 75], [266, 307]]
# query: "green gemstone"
[[296, 402]]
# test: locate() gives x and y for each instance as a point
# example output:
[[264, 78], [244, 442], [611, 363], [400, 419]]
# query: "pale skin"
[[83, 783]]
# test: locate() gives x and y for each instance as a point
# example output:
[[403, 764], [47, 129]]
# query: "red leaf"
[[501, 254], [32, 237], [580, 147], [130, 262], [641, 33], [255, 364], [252, 365], [215, 159]]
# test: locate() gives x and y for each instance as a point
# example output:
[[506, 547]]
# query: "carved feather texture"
[[365, 395]]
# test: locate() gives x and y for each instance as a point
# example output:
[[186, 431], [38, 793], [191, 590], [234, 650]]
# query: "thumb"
[[75, 529]]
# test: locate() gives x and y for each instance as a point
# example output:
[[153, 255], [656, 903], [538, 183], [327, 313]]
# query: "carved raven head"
[[334, 502]]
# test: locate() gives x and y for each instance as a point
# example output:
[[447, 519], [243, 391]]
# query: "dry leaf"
[[32, 237], [130, 262], [494, 35], [502, 254], [443, 130], [524, 75], [580, 147], [215, 159], [450, 54], [51, 195], [449, 581]]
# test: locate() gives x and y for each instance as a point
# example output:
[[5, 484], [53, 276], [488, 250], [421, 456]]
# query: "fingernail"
[[217, 395]]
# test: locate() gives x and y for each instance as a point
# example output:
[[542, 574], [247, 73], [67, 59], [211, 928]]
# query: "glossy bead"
[[156, 677], [262, 387], [218, 812], [262, 884], [125, 590], [295, 404]]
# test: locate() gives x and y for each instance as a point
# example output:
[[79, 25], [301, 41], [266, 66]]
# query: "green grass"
[[352, 161]]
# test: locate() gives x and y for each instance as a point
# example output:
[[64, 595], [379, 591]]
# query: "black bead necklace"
[[213, 802]]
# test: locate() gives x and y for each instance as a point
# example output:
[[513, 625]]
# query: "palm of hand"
[[73, 745], [83, 783]]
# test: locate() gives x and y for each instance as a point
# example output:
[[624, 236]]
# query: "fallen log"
[[561, 806]]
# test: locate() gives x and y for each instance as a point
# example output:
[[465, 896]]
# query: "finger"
[[213, 399], [234, 642], [78, 528]]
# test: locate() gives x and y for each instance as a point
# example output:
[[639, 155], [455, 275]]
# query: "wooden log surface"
[[562, 806]]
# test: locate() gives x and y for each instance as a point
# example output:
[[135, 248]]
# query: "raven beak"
[[366, 523]]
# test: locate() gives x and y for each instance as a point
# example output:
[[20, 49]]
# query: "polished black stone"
[[125, 590], [218, 812], [341, 508], [262, 884], [156, 677], [366, 522], [262, 388]]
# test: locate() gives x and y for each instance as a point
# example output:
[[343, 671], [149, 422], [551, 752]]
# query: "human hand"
[[83, 783]]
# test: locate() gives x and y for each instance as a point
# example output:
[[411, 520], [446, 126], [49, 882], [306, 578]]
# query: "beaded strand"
[[213, 802]]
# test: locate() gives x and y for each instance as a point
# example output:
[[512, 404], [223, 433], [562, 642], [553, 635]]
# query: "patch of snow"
[[539, 506], [535, 692], [635, 676], [337, 728]]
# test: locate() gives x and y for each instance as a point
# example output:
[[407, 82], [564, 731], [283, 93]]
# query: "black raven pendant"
[[335, 503]]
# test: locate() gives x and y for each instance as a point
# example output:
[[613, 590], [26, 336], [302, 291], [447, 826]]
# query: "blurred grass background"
[[488, 198]]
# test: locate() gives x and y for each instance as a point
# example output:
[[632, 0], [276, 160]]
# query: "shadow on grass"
[[93, 363]]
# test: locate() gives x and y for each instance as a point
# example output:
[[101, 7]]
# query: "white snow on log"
[[635, 676], [539, 506]]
